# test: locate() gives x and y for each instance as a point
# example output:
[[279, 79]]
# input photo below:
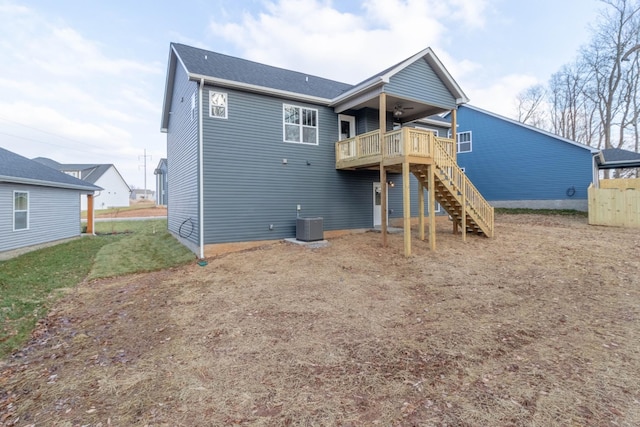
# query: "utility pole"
[[144, 158]]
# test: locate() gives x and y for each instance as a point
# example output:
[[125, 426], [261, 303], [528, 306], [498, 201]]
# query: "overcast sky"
[[82, 81]]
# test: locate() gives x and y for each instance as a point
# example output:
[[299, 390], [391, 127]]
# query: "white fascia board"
[[358, 90], [259, 89], [433, 122]]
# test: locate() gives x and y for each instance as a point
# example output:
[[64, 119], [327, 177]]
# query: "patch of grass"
[[149, 247], [30, 283], [523, 211]]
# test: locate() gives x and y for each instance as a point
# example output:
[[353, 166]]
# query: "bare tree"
[[530, 106]]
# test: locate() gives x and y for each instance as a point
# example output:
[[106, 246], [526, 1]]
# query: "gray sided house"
[[251, 147], [161, 183], [38, 204], [515, 165]]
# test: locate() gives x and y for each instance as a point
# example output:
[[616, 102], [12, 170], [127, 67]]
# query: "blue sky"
[[82, 81]]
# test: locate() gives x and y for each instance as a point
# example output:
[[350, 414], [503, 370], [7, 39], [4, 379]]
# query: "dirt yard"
[[539, 326]]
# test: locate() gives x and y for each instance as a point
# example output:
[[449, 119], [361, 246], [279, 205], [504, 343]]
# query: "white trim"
[[433, 122], [259, 89], [346, 118], [300, 125], [201, 171], [21, 210]]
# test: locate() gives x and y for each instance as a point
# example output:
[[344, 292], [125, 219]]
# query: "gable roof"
[[384, 77], [228, 71], [531, 128], [15, 168], [89, 172], [612, 158]]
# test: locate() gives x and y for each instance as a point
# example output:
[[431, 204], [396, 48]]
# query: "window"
[[20, 210], [464, 142], [217, 104], [300, 124]]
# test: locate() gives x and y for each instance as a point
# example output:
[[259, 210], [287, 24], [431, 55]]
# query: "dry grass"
[[537, 327]]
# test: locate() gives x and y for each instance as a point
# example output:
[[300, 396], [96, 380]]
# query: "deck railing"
[[406, 141]]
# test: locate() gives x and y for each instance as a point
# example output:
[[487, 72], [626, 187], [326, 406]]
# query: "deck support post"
[[464, 213], [432, 207], [406, 208], [421, 209], [89, 213], [454, 136], [383, 174]]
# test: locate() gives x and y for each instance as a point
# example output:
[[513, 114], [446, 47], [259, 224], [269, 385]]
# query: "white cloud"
[[313, 36], [499, 96]]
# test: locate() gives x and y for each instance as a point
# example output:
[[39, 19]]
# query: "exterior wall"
[[115, 193], [248, 187], [418, 81], [182, 150], [161, 185], [514, 166], [54, 214]]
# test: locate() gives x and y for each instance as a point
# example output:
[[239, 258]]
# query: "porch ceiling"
[[411, 109]]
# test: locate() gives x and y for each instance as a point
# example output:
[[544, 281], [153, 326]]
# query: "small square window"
[[218, 104], [464, 142]]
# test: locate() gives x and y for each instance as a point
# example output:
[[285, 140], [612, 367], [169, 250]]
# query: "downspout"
[[200, 170]]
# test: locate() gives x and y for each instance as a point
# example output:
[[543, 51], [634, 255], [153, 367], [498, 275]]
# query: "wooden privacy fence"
[[616, 203]]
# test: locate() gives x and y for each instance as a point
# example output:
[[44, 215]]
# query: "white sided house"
[[115, 191]]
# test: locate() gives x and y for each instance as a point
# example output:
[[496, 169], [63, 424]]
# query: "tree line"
[[594, 99]]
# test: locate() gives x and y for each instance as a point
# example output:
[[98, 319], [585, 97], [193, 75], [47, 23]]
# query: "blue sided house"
[[253, 148], [515, 165]]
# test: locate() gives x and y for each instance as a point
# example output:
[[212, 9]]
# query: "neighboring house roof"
[[532, 128], [15, 168], [612, 158], [89, 172], [162, 164], [228, 71]]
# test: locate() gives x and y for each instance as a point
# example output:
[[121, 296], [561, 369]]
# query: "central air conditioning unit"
[[309, 229]]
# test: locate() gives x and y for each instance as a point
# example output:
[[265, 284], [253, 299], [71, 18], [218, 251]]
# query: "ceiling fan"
[[398, 110]]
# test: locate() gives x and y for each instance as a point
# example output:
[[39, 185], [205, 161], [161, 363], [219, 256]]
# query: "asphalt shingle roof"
[[217, 65], [19, 169], [618, 154]]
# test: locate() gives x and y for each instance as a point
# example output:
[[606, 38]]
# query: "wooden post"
[[406, 208], [421, 207], [383, 174], [432, 208], [464, 211], [89, 213], [454, 136]]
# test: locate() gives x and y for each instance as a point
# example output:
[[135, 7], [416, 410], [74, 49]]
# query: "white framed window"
[[20, 210], [464, 142], [299, 124], [217, 104]]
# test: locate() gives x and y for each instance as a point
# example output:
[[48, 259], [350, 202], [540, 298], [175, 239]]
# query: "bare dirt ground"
[[140, 210], [539, 326]]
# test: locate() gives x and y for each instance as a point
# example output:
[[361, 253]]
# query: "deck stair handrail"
[[457, 184]]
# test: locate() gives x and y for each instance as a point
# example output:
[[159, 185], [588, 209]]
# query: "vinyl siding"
[[248, 188], [182, 166], [115, 191], [509, 162], [54, 214], [418, 81]]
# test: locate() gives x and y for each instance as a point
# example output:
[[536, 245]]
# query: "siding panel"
[[248, 188], [418, 81], [182, 163], [54, 214], [510, 163]]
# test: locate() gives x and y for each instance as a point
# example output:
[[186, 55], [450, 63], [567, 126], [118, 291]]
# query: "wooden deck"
[[432, 160], [415, 146]]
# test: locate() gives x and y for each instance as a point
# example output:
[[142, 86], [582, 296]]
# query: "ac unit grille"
[[309, 229]]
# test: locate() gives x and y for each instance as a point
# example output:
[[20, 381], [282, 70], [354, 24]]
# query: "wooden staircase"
[[456, 194]]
